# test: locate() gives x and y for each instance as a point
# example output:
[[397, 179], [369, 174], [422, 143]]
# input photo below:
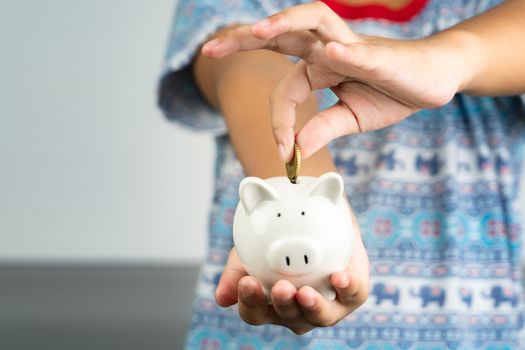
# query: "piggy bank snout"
[[294, 255]]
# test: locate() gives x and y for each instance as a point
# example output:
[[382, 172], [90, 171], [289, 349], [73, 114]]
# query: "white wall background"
[[89, 169]]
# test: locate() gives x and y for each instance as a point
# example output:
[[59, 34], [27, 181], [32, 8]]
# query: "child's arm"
[[380, 81], [494, 48], [239, 86]]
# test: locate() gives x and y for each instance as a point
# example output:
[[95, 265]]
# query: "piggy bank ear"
[[253, 191], [329, 186]]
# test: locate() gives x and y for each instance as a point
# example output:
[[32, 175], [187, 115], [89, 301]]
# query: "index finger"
[[292, 90], [315, 17], [240, 38]]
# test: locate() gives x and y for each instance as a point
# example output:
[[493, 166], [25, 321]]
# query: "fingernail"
[[284, 297], [246, 292], [282, 152], [262, 24], [211, 43], [343, 282], [310, 302]]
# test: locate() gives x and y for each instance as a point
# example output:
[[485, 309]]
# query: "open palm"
[[300, 310]]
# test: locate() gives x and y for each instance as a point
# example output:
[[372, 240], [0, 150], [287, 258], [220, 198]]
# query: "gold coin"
[[294, 166]]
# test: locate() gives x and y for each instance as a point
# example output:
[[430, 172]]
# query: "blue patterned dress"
[[435, 196]]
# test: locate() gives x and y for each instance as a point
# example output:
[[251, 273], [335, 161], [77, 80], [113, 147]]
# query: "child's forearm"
[[493, 49], [239, 86]]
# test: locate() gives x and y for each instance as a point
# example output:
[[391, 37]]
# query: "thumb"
[[226, 292], [325, 126]]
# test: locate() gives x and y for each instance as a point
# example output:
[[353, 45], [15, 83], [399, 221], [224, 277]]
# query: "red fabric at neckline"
[[403, 14]]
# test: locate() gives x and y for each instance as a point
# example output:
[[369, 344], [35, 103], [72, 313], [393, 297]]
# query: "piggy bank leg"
[[327, 292], [268, 293]]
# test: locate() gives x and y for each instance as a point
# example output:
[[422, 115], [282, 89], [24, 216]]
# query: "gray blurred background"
[[103, 203]]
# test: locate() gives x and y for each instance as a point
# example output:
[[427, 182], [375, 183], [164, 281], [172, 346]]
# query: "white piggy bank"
[[299, 232]]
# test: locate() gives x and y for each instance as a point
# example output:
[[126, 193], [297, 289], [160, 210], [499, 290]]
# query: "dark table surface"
[[95, 307]]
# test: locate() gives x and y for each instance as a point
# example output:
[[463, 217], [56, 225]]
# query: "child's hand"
[[379, 81], [299, 310]]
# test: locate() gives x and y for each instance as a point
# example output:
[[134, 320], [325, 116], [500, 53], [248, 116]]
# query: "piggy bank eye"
[[303, 213], [278, 215]]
